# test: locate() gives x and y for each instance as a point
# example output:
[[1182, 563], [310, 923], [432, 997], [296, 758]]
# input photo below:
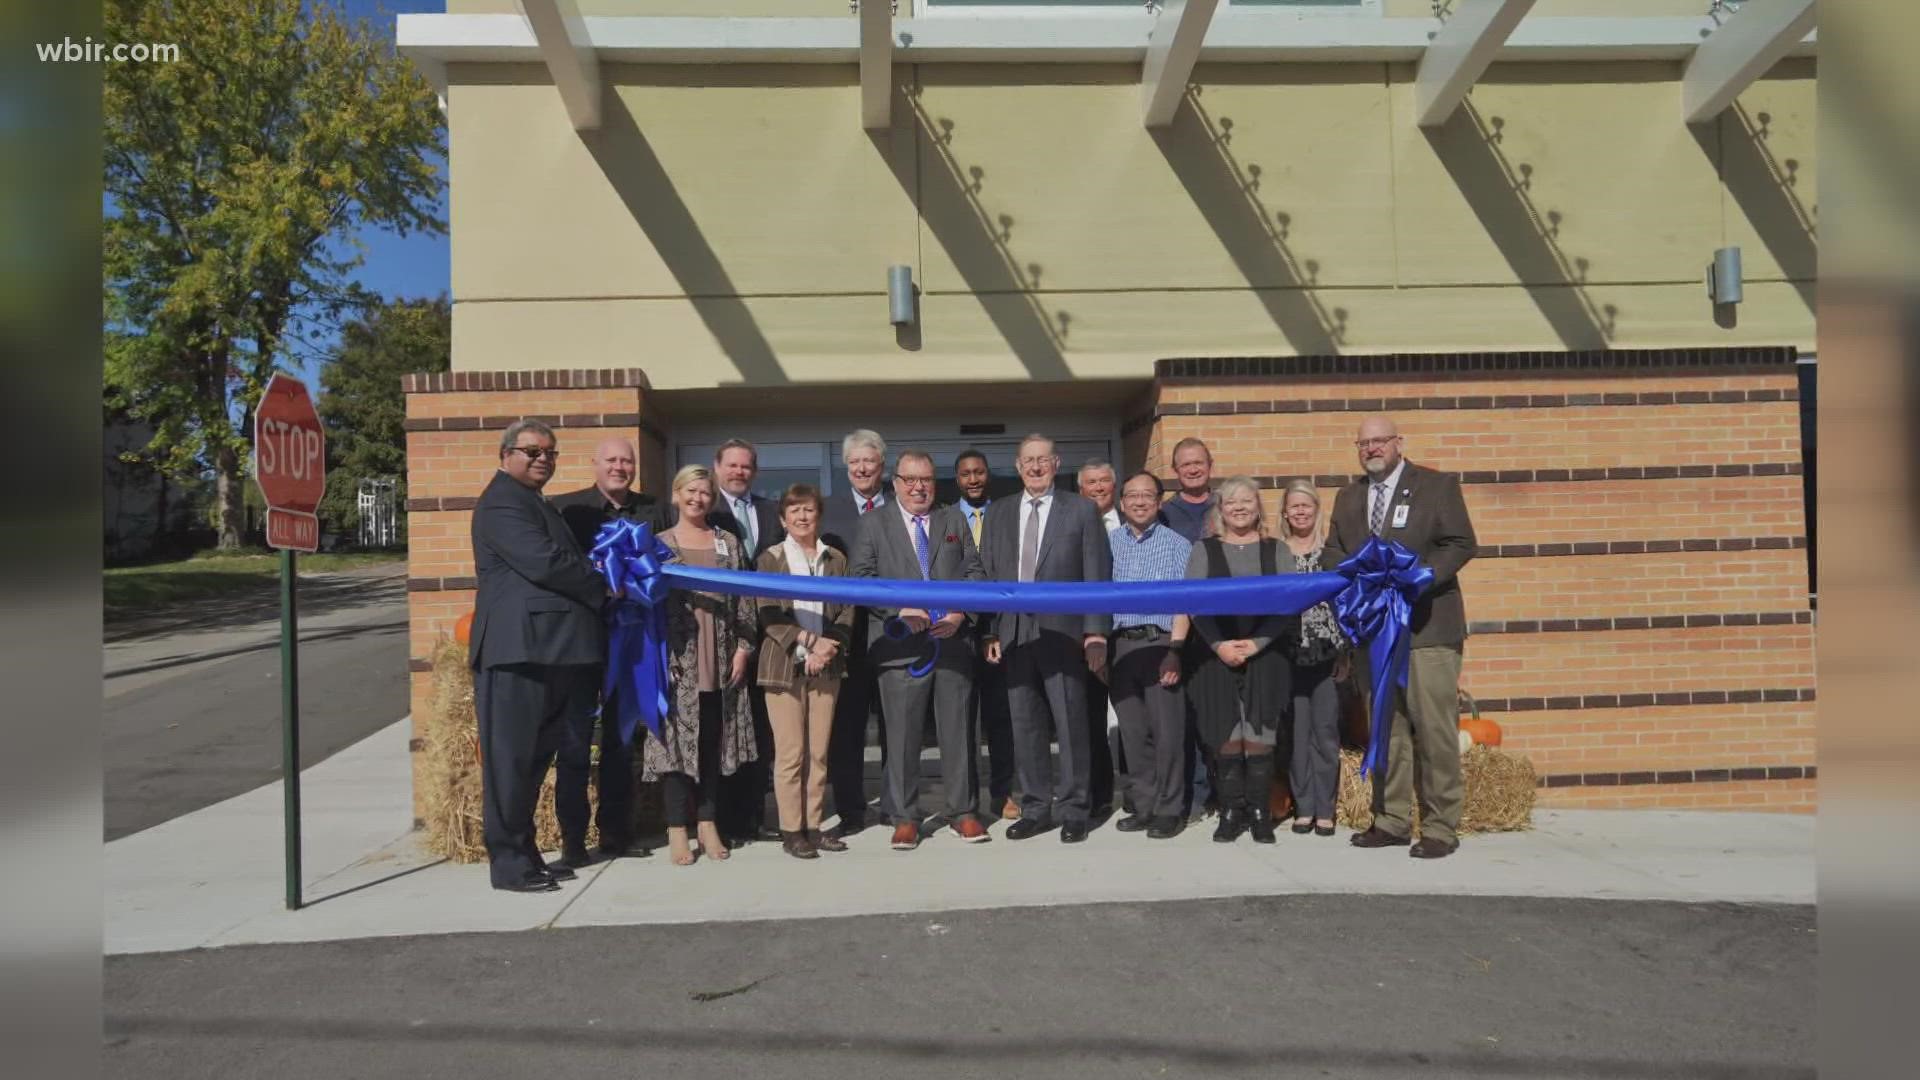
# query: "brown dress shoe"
[[797, 845], [906, 836], [1376, 837], [826, 841], [970, 831], [1432, 847]]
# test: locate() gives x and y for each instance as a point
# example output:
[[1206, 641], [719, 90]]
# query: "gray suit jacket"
[[1073, 547], [885, 550], [1437, 529]]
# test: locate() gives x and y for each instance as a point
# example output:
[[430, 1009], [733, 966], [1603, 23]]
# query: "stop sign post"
[[290, 465]]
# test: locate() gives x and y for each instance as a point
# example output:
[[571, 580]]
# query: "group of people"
[[1157, 714]]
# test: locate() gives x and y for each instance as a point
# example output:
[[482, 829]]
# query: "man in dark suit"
[[756, 521], [1424, 511], [537, 638], [1096, 482], [865, 455], [1045, 535], [971, 475], [916, 541], [585, 511]]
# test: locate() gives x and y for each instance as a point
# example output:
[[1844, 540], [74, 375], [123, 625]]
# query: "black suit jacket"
[[885, 550], [1437, 529], [1073, 547], [586, 510], [840, 524], [539, 599]]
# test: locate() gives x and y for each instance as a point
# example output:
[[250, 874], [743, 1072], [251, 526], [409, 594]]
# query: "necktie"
[[1379, 517], [744, 511], [1030, 543], [920, 547], [866, 506], [978, 517]]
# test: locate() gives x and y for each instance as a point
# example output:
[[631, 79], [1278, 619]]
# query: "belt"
[[1137, 633]]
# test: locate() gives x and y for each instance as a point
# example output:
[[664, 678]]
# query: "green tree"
[[237, 181], [361, 403]]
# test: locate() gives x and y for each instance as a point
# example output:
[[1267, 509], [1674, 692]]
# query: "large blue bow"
[[632, 558], [1376, 610]]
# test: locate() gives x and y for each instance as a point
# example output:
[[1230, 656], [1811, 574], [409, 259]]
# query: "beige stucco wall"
[[733, 225]]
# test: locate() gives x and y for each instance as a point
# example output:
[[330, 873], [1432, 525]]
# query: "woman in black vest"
[[1243, 685]]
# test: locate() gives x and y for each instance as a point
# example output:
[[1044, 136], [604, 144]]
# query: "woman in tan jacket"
[[802, 657]]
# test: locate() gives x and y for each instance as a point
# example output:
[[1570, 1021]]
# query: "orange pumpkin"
[[463, 629], [1484, 732]]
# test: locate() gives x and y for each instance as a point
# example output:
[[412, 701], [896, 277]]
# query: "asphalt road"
[[192, 700], [1323, 986]]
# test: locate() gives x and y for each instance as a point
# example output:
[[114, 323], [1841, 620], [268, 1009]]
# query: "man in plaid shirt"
[[1145, 664]]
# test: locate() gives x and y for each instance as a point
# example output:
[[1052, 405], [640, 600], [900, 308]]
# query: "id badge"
[[1400, 516]]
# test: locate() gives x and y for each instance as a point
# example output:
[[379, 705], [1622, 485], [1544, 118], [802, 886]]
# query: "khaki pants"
[[1424, 755], [802, 722]]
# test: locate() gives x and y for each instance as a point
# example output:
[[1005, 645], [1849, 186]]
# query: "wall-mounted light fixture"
[[1723, 277], [900, 295]]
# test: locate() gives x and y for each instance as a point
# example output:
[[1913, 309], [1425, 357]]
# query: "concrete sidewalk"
[[214, 877]]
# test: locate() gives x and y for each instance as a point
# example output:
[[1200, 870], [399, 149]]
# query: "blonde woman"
[[1242, 687], [708, 730], [1318, 654]]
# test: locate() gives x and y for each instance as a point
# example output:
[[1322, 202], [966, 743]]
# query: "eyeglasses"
[[534, 453], [914, 481], [1025, 461], [1368, 444]]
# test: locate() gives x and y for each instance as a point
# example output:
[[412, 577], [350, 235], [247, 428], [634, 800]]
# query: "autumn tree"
[[237, 182]]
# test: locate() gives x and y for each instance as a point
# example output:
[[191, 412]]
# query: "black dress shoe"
[[1260, 826], [621, 847], [1073, 832], [1166, 828], [558, 872], [1026, 827], [574, 854], [1434, 848], [532, 881], [1376, 837], [848, 827], [1132, 823]]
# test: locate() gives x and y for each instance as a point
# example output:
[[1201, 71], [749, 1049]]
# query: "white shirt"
[[1110, 520], [1374, 492], [1026, 512]]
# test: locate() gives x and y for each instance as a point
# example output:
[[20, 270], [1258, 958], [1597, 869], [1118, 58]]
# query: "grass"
[[214, 574]]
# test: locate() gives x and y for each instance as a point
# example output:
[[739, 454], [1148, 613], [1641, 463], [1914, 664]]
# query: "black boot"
[[1260, 798], [1230, 784]]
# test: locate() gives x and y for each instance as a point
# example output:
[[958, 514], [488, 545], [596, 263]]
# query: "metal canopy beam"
[[562, 40], [876, 64], [1172, 50], [1740, 51], [1459, 55]]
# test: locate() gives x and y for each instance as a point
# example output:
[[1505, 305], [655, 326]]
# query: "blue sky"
[[415, 266]]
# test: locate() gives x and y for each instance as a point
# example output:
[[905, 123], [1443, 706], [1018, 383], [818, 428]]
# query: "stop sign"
[[289, 463]]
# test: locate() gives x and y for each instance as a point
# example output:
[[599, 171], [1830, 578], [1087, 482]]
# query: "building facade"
[[677, 224]]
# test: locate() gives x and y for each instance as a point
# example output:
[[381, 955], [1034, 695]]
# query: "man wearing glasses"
[[537, 641], [912, 540], [1423, 511], [1045, 535]]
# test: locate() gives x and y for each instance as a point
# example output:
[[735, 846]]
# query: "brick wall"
[[453, 428], [1640, 609]]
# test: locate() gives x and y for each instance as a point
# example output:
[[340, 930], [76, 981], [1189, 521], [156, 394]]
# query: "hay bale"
[[452, 769], [1499, 798]]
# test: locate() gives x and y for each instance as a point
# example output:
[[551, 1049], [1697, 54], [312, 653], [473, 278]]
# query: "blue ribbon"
[[1372, 591], [1376, 609]]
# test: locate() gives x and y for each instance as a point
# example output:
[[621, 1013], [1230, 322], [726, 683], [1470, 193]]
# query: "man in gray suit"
[[1046, 535], [914, 541]]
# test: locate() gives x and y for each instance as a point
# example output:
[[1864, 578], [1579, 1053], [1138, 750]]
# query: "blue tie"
[[920, 547]]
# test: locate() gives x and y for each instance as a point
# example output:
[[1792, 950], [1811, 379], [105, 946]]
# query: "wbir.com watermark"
[[89, 51]]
